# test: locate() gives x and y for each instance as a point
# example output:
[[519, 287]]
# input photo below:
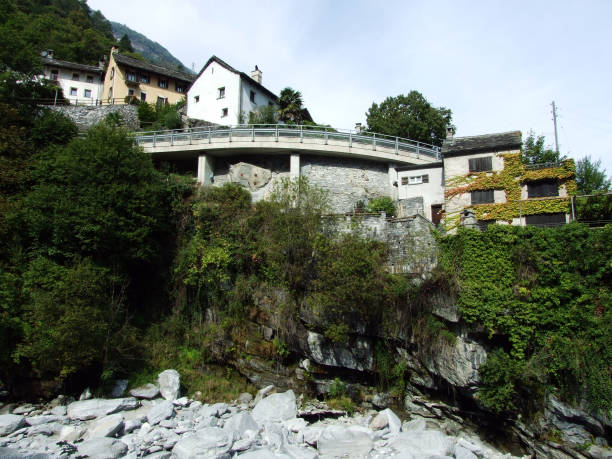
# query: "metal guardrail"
[[531, 167], [300, 133]]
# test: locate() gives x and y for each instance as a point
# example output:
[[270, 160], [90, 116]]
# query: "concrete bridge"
[[212, 142]]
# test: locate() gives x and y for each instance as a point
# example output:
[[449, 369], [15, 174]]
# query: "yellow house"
[[126, 76]]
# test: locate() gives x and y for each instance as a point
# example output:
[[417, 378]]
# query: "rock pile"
[[269, 426]]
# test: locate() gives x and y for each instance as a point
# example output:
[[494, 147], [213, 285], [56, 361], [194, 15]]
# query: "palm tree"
[[290, 106]]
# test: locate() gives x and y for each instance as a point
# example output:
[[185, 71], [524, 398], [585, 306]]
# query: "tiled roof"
[[71, 65], [141, 65], [482, 143], [243, 75]]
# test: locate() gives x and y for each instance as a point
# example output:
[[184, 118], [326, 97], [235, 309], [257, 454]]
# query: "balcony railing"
[[532, 167], [297, 134]]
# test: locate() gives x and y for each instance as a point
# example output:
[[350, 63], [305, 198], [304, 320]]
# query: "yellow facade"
[[126, 76]]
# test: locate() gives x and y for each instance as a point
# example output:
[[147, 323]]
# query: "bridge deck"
[[280, 138]]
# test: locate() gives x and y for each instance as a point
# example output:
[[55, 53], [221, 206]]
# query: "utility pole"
[[554, 113]]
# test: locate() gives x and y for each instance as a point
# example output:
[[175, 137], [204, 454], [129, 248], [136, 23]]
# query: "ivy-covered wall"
[[511, 180]]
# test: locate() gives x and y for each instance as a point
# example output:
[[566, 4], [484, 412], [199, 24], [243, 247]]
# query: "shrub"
[[382, 204]]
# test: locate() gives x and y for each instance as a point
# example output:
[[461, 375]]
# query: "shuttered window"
[[545, 220], [482, 197], [481, 164], [542, 189]]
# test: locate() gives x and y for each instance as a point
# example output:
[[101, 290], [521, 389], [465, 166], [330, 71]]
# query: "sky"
[[497, 64]]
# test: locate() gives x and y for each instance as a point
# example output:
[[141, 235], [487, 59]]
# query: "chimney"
[[358, 128], [256, 75], [450, 132]]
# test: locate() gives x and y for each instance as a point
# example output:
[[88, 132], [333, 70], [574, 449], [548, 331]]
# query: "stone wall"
[[86, 116], [348, 180], [412, 247]]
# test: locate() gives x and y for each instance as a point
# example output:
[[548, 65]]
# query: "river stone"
[[86, 394], [71, 433], [263, 393], [207, 442], [163, 410], [10, 453], [386, 418], [597, 452], [59, 410], [147, 391], [275, 407], [423, 443], [464, 453], [340, 441], [24, 409], [244, 399], [42, 419], [264, 453], [169, 384], [98, 407], [9, 423], [102, 448], [239, 424], [107, 426], [119, 388]]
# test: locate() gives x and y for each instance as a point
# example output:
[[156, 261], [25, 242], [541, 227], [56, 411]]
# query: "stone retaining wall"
[[86, 116]]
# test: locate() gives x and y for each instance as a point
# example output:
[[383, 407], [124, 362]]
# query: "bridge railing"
[[279, 132]]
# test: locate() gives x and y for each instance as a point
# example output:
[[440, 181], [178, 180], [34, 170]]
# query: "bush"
[[382, 204]]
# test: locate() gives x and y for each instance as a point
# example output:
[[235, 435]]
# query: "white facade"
[[224, 96], [425, 182], [81, 84]]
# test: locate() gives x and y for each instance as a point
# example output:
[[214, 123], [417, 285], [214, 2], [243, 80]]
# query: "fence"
[[299, 133]]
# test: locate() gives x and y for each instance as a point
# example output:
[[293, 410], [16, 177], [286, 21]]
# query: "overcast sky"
[[497, 65]]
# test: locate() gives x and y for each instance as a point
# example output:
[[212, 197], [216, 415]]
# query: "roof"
[[458, 146], [71, 65], [243, 75], [141, 65]]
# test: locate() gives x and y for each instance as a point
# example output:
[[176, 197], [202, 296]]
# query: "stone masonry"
[[86, 116]]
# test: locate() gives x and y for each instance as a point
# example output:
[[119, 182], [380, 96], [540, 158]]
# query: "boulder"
[[424, 443], [24, 409], [71, 433], [119, 388], [275, 408], [382, 400], [341, 441], [102, 448], [11, 453], [9, 423], [244, 399], [464, 453], [86, 394], [207, 442], [148, 391], [263, 393], [163, 410], [107, 426], [98, 407], [356, 356], [239, 424], [386, 418], [58, 410], [249, 176], [169, 384], [564, 418], [42, 419]]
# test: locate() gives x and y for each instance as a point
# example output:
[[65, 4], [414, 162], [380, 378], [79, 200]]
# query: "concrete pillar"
[[294, 166], [393, 184], [206, 170]]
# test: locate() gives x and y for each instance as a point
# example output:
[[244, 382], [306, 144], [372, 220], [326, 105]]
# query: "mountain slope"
[[150, 50]]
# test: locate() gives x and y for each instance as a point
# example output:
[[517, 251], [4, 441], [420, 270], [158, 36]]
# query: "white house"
[[81, 84], [223, 95], [424, 181]]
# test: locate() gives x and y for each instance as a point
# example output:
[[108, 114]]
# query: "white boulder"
[[97, 407], [9, 423], [275, 408], [169, 384], [107, 426], [163, 410], [102, 448], [148, 391], [341, 441], [207, 442]]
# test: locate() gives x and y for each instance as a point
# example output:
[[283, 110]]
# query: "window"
[[89, 79], [163, 84], [404, 180], [180, 88], [196, 98], [131, 76], [221, 93], [144, 78], [270, 104], [143, 96], [481, 164], [88, 93], [482, 197], [161, 101], [112, 73], [483, 225], [545, 219], [54, 74], [130, 92], [75, 77], [252, 96], [73, 91], [224, 113], [542, 189]]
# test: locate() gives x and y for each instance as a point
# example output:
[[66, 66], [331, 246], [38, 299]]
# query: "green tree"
[[590, 176], [290, 109], [535, 152], [410, 116], [263, 115], [125, 44]]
